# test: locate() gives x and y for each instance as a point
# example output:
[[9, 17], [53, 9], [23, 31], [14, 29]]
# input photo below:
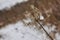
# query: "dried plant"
[[34, 15]]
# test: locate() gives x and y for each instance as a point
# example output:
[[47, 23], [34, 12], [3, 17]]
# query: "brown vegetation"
[[50, 9]]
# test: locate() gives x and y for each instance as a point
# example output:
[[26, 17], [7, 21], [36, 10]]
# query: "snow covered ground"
[[19, 31]]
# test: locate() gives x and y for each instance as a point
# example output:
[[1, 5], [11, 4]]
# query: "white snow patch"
[[57, 36], [26, 21], [41, 17], [19, 32]]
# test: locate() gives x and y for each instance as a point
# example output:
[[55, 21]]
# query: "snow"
[[57, 36], [26, 21], [19, 31], [41, 17]]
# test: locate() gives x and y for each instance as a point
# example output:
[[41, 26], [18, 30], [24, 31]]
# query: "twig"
[[44, 29], [38, 21]]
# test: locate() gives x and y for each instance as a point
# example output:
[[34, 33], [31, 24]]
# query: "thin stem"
[[44, 30], [38, 21]]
